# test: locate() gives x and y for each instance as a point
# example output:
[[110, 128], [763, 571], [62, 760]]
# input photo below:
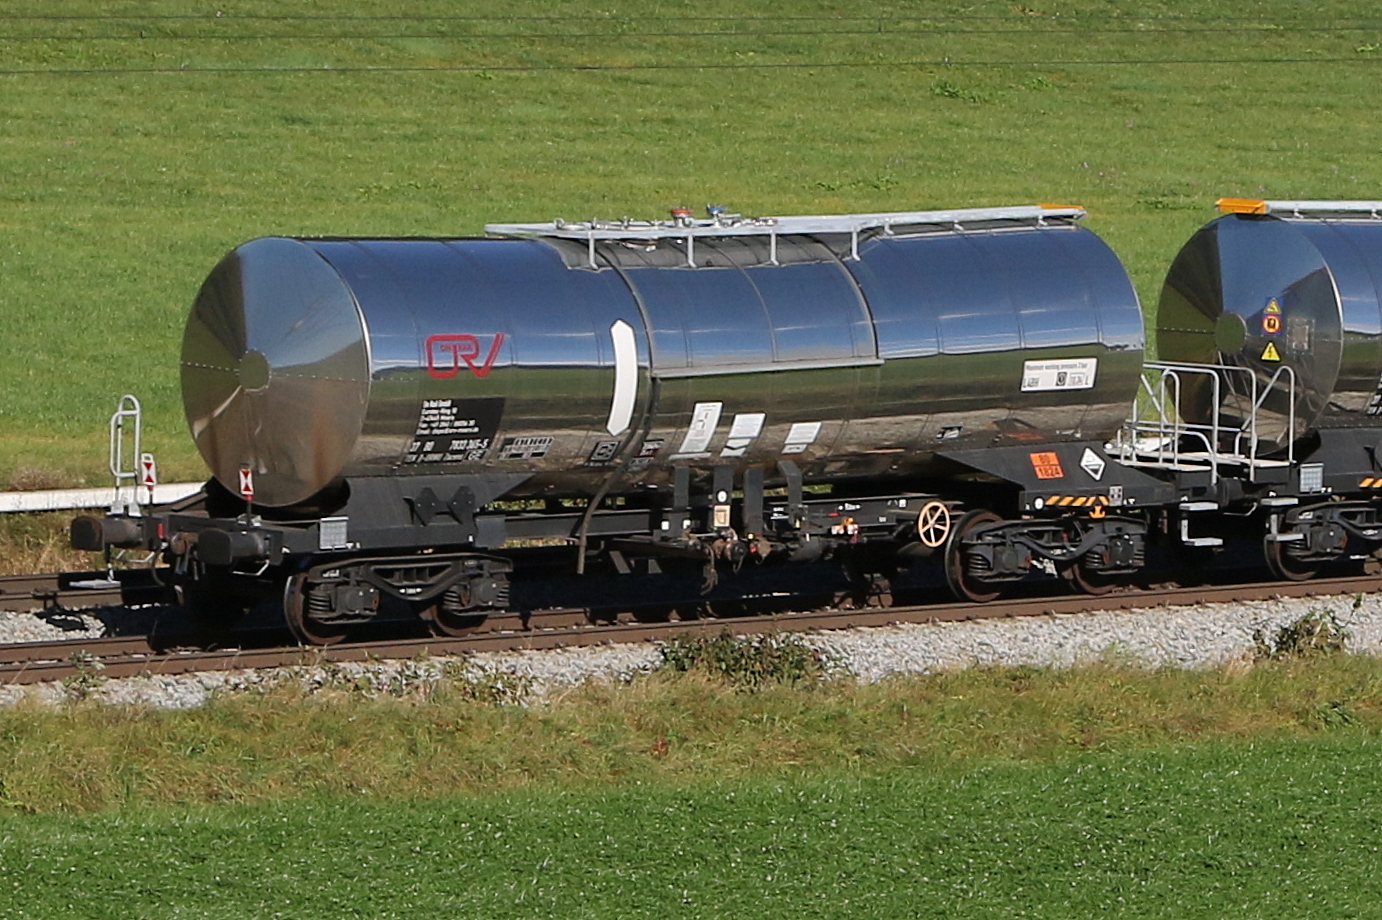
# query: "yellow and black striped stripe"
[[1076, 501]]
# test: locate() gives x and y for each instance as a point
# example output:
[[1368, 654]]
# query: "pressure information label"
[[455, 430], [1063, 374], [801, 436], [746, 427]]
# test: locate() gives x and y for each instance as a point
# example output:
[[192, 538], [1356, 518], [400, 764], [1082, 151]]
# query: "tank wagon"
[[1269, 391], [402, 425]]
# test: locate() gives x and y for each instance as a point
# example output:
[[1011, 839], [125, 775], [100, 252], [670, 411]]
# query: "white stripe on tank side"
[[625, 378]]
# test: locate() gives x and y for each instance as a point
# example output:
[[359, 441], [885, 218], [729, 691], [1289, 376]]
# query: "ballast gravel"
[[1187, 637], [53, 625]]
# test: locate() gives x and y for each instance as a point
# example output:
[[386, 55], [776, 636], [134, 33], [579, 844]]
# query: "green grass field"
[[1268, 830], [143, 140], [1249, 790]]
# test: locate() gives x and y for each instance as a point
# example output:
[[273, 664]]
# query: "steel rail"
[[54, 590]]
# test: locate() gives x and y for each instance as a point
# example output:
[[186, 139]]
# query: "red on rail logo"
[[447, 352]]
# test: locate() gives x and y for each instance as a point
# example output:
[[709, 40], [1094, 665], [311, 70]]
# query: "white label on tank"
[[625, 378], [1065, 374], [801, 436], [746, 427], [704, 419]]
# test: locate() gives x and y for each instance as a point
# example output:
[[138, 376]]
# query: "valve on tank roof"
[[721, 216]]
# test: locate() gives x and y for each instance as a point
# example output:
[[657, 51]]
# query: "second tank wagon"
[[1286, 296]]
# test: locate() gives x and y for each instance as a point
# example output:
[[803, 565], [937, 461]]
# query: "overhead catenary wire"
[[901, 27], [944, 62], [134, 25], [221, 16], [140, 35]]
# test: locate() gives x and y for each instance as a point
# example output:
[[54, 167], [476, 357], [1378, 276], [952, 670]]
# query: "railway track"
[[35, 662], [75, 590]]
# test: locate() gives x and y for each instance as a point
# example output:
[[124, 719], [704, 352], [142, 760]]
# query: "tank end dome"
[[275, 371]]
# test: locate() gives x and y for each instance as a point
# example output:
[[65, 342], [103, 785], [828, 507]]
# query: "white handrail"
[[1156, 433]]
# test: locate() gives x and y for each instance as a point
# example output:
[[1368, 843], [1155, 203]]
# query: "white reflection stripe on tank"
[[625, 378]]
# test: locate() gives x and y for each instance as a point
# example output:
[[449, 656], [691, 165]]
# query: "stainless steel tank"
[[1288, 295], [855, 346]]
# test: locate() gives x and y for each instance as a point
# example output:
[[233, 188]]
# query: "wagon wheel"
[[442, 623], [1086, 581], [1283, 565], [308, 630], [452, 623], [933, 524], [963, 586]]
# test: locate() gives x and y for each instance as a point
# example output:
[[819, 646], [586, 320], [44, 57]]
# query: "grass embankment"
[[1103, 791], [663, 729], [142, 145]]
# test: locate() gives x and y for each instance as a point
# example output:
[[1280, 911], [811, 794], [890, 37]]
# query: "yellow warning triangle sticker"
[[1270, 353], [1273, 307]]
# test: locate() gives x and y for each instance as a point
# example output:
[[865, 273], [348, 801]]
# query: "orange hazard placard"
[[1047, 465]]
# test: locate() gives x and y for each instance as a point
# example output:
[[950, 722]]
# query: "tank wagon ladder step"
[[1189, 508], [1274, 534]]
